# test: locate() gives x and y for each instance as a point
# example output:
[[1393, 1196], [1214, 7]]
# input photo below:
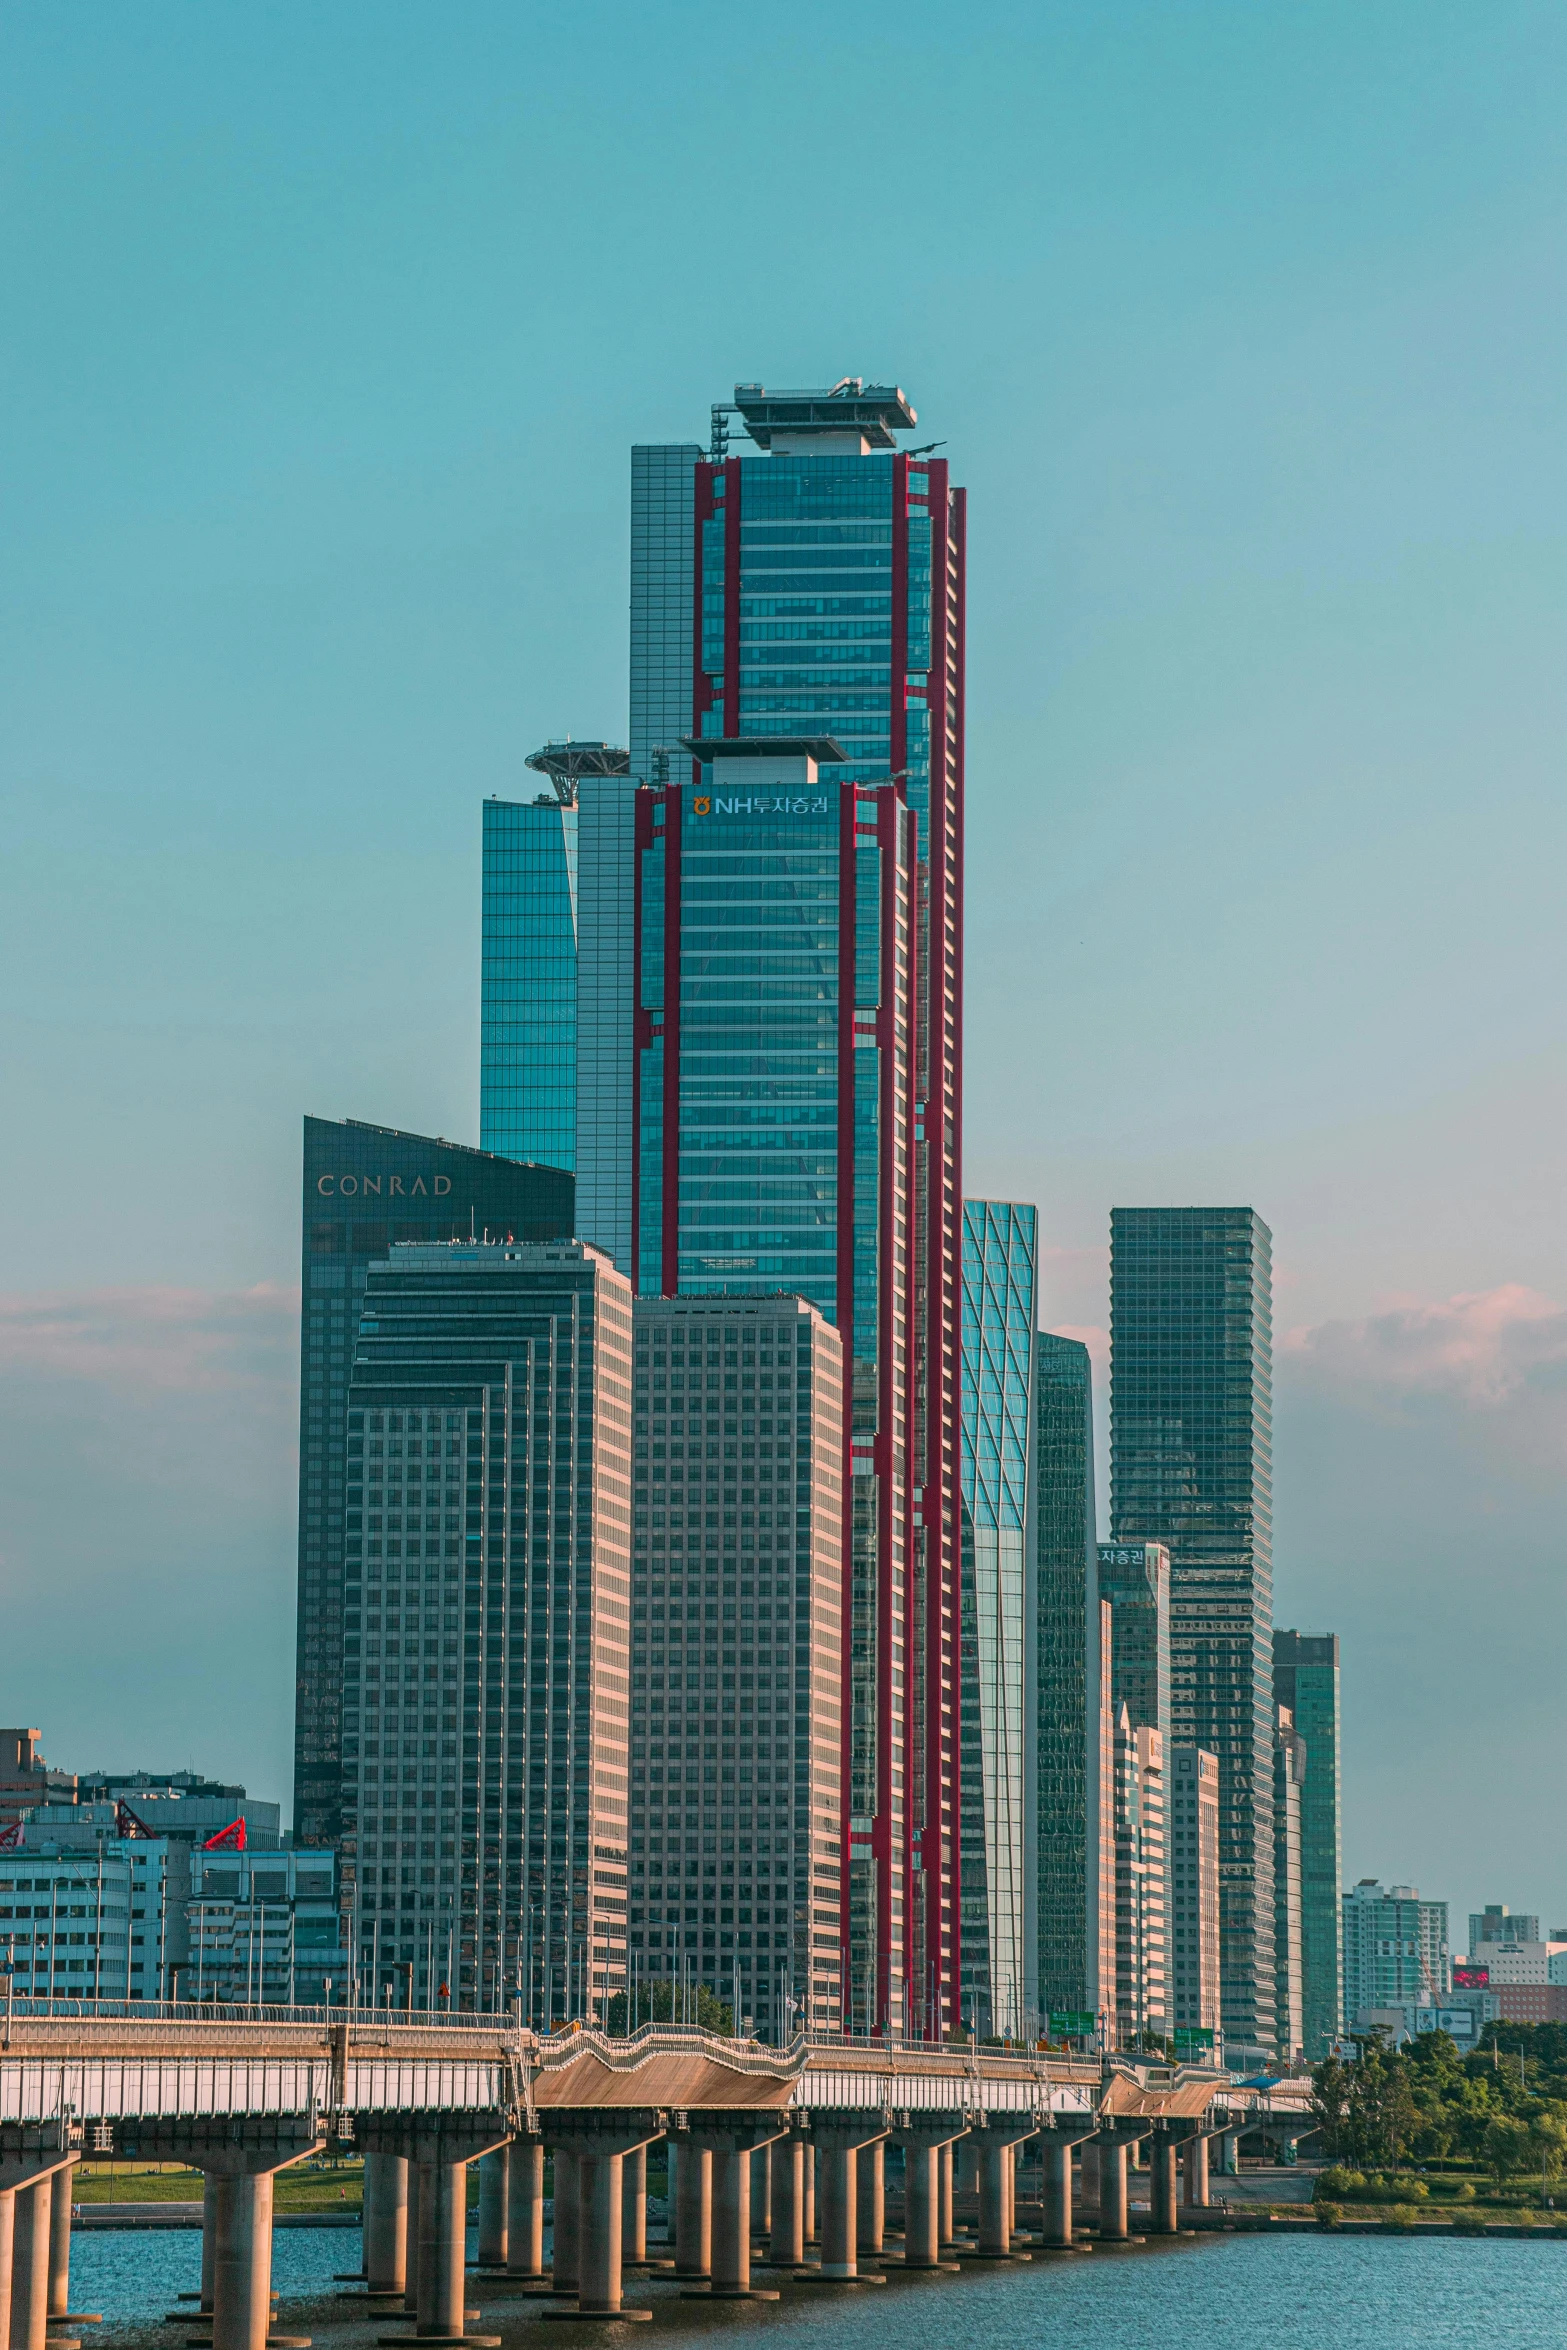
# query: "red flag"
[[127, 1824], [229, 1839]]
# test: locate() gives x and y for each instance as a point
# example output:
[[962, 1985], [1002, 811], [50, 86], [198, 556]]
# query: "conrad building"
[[366, 1187], [485, 1690], [737, 1655], [1191, 1435]]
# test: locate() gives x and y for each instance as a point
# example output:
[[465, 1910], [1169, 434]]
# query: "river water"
[[1236, 2292]]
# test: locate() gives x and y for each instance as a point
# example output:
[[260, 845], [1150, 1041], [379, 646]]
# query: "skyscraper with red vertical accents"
[[796, 1039]]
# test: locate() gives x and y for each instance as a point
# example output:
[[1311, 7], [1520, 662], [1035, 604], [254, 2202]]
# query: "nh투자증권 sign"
[[761, 803]]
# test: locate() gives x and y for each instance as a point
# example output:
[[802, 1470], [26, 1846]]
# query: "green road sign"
[[1193, 2038], [1067, 2024]]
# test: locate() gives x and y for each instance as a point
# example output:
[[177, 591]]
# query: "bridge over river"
[[789, 2137]]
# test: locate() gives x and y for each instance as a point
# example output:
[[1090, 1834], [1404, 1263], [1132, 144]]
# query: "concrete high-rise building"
[[737, 1655], [820, 594], [1395, 1949], [1135, 1578], [1495, 1923], [1306, 1679], [1141, 1983], [485, 1690], [105, 1915], [1290, 1778], [1072, 1914], [1191, 1467], [528, 985], [364, 1188], [1193, 1785], [1000, 1697], [26, 1779]]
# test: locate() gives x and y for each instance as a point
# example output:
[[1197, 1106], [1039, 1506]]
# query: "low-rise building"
[[26, 1779], [264, 1927], [1521, 1962], [103, 1918]]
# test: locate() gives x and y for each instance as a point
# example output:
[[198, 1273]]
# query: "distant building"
[[365, 1188], [1289, 1783], [26, 1779], [1531, 2003], [1495, 1923], [1306, 1679], [737, 1659], [1135, 1578], [163, 1811], [998, 1742], [90, 1915], [1395, 1949], [1073, 1925], [1521, 1962], [1193, 1785], [264, 1927], [1191, 1417], [1141, 1986]]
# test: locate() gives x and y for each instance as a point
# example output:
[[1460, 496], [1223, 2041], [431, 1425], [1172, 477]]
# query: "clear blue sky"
[[327, 331]]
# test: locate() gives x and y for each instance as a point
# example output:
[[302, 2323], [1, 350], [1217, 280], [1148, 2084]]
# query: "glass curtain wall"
[[528, 1003]]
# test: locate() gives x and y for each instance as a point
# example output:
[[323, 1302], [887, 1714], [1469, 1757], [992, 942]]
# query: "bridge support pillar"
[[927, 2142], [1056, 2154], [1112, 2189], [871, 2197], [7, 2258], [731, 2224], [563, 2254], [944, 2163], [838, 2145], [810, 2194], [525, 2208], [1163, 2219], [601, 2191], [694, 2214], [493, 2169], [242, 2261], [443, 2230], [30, 2266], [209, 2238], [762, 2192], [60, 2239], [1230, 2153], [995, 2235], [785, 2160], [633, 2208], [385, 2222], [1195, 2166]]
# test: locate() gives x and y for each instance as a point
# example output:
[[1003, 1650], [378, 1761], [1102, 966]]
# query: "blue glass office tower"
[[1072, 1915], [1000, 1245], [1191, 1449], [825, 604], [528, 1001]]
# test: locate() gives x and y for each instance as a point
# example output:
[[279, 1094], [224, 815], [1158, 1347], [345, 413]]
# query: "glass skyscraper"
[[528, 1006], [1000, 1247], [793, 1122], [1191, 1466], [365, 1187], [1073, 1925], [1306, 1680]]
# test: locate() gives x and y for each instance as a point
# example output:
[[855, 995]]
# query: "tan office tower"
[[1194, 1894], [737, 1655], [484, 1841], [1140, 1992]]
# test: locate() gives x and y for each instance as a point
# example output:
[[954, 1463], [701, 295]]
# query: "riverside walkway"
[[785, 2138]]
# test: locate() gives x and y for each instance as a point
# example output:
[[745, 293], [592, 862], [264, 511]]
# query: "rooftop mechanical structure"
[[565, 763]]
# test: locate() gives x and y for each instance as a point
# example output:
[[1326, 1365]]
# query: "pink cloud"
[[150, 1340], [1482, 1346]]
